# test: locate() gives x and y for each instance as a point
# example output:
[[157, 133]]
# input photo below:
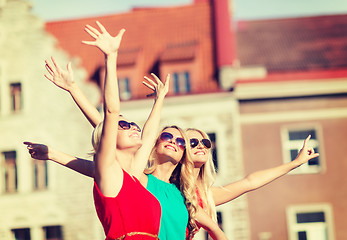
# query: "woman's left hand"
[[306, 153]]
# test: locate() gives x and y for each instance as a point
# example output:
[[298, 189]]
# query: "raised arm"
[[260, 178], [44, 152], [64, 80], [108, 173], [210, 226], [150, 129]]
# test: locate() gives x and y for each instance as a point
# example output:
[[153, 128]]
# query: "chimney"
[[225, 42]]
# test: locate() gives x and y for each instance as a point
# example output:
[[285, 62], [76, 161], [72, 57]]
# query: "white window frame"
[[288, 145], [311, 228], [182, 82], [124, 92]]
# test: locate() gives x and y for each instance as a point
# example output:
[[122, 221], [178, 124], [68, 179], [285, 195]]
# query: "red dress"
[[133, 214]]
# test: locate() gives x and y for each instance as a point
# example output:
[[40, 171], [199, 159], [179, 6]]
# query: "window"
[[16, 97], [220, 224], [212, 136], [181, 82], [292, 143], [124, 88], [53, 233], [10, 171], [40, 175], [21, 233], [311, 222]]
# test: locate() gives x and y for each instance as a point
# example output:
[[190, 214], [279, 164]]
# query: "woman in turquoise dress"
[[179, 207]]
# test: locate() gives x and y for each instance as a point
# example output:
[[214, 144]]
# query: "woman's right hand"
[[58, 76], [38, 151], [160, 89], [103, 40]]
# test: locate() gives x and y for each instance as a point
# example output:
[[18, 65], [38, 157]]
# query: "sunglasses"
[[167, 137], [194, 142], [126, 125]]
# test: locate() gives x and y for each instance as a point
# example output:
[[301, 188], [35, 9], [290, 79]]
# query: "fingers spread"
[[49, 68], [102, 28], [121, 32], [89, 43], [156, 78], [167, 80], [91, 33], [49, 78], [148, 85], [93, 30], [150, 81], [55, 63]]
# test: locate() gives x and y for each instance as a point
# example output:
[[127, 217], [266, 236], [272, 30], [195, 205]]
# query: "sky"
[[53, 10]]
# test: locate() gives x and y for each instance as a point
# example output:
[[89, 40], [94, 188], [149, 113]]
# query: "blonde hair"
[[182, 177], [96, 136], [205, 180]]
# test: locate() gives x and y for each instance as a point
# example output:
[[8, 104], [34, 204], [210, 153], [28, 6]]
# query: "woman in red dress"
[[125, 208]]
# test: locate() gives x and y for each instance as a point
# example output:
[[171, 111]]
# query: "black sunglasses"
[[194, 142], [167, 137], [126, 125]]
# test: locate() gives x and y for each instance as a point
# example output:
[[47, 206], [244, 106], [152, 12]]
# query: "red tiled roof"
[[149, 32], [182, 51], [294, 45]]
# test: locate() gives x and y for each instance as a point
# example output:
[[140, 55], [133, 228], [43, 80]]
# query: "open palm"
[[61, 78], [103, 40], [160, 89]]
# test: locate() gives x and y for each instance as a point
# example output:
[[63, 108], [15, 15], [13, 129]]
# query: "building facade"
[[37, 199], [257, 95], [293, 86]]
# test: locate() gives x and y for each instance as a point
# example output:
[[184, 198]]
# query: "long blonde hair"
[[205, 180], [182, 177]]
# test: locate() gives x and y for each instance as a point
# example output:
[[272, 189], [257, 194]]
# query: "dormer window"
[[181, 82]]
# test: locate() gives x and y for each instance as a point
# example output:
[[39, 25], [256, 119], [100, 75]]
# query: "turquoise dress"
[[174, 213]]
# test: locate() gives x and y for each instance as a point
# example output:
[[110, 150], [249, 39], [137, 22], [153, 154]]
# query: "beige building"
[[39, 199], [272, 100], [42, 200]]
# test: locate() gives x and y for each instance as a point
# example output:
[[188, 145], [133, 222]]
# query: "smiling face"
[[128, 138], [167, 149], [200, 153]]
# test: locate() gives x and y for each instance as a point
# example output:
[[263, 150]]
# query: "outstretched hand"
[[103, 40], [306, 153], [38, 151], [58, 76], [159, 88]]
